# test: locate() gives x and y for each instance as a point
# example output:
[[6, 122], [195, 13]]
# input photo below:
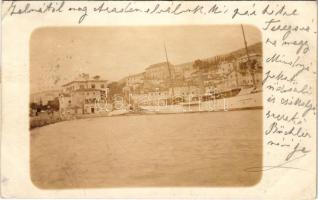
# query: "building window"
[[102, 86], [81, 86], [93, 86]]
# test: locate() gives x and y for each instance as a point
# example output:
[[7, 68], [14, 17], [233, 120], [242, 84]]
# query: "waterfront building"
[[243, 79], [151, 97], [85, 84], [135, 79], [255, 60], [135, 82], [83, 97], [94, 100], [226, 67]]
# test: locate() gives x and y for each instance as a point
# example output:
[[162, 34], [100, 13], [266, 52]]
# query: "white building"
[[226, 67], [83, 97], [135, 79], [76, 85]]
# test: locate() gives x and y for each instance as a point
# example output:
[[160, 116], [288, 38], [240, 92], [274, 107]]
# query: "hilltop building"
[[134, 81], [158, 71], [163, 81], [184, 71]]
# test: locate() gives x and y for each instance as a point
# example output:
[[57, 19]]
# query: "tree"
[[115, 89], [197, 64], [54, 104], [97, 77], [84, 76], [33, 106]]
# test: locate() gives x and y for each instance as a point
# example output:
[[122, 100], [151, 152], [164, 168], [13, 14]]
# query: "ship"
[[233, 99], [237, 98]]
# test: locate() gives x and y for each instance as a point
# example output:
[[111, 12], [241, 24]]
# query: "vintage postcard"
[[125, 99]]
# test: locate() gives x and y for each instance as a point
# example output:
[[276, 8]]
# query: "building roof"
[[69, 83], [87, 90], [134, 75], [131, 76]]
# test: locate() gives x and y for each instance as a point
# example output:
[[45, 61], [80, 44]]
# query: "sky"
[[59, 54]]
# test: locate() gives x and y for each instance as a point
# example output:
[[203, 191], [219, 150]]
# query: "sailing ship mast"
[[245, 44], [248, 57], [170, 78]]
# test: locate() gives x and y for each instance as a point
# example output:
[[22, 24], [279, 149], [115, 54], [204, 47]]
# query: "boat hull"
[[243, 101]]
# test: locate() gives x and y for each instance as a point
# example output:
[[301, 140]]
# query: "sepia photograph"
[[146, 106]]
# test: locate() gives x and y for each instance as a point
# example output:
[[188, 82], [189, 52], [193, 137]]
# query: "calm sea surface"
[[189, 149]]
